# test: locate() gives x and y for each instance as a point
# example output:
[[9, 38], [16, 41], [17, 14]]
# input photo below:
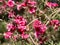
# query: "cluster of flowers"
[[40, 29], [19, 24], [31, 5], [55, 24]]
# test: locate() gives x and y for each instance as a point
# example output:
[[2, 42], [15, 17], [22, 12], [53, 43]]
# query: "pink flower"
[[11, 14], [10, 3], [22, 5], [10, 27], [21, 28], [39, 27], [32, 3], [36, 34], [20, 23], [20, 20], [55, 27], [32, 10], [19, 7], [7, 35], [24, 36], [36, 23], [15, 37], [50, 4], [1, 0], [32, 6], [54, 22], [55, 5], [59, 23], [40, 30], [3, 6]]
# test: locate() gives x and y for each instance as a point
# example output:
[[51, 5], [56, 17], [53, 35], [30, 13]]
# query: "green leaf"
[[2, 27]]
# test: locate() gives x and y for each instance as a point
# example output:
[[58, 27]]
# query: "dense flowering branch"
[[36, 20]]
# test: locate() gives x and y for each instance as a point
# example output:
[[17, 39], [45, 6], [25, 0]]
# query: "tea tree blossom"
[[10, 3], [55, 24], [11, 14], [24, 36], [7, 35], [50, 4], [22, 5], [39, 27], [20, 20], [32, 10], [10, 27], [28, 3]]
